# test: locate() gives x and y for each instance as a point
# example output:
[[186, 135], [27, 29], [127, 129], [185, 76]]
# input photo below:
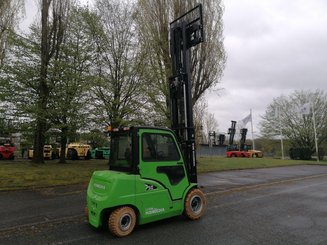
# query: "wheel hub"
[[196, 204], [125, 222]]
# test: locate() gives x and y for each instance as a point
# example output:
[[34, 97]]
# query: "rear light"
[[111, 129]]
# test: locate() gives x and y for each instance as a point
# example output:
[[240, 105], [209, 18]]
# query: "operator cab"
[[131, 146]]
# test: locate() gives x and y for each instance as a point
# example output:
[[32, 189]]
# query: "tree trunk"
[[41, 120], [39, 141], [63, 141]]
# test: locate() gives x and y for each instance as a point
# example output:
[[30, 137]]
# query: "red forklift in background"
[[7, 151], [234, 150]]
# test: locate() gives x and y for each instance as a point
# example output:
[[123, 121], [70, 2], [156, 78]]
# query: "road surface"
[[263, 206]]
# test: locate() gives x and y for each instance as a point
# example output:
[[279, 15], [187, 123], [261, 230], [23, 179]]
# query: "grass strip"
[[22, 174]]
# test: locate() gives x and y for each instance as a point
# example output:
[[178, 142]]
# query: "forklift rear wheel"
[[195, 204], [122, 221]]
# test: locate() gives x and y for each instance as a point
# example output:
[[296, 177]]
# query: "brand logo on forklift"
[[149, 211], [150, 187], [99, 186]]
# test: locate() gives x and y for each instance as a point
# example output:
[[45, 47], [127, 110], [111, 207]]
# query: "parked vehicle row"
[[74, 151]]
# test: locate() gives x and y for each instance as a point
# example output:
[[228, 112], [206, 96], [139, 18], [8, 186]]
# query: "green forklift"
[[152, 171]]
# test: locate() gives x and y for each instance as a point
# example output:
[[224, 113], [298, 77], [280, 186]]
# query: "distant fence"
[[216, 150]]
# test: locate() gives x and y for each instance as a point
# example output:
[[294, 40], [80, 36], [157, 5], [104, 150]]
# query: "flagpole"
[[281, 133], [315, 131], [253, 145]]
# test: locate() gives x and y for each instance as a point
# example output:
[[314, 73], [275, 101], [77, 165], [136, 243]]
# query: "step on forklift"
[[152, 171]]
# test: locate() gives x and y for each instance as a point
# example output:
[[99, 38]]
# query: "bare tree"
[[119, 65], [9, 17], [204, 121], [69, 58], [70, 76], [199, 110], [210, 124], [208, 59], [52, 33]]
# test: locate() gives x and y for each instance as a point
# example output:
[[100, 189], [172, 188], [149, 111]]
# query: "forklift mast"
[[185, 32], [243, 133], [231, 132]]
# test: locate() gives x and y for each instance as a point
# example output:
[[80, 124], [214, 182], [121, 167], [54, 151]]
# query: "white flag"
[[305, 109], [246, 119]]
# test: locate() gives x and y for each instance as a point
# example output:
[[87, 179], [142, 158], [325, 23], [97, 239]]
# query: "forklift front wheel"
[[122, 221], [195, 204]]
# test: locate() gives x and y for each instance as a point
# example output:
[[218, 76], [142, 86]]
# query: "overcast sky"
[[274, 47]]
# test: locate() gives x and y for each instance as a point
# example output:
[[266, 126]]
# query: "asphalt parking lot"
[[228, 180], [284, 205]]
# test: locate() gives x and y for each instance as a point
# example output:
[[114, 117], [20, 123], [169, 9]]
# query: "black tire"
[[88, 155], [122, 221], [195, 204], [99, 155], [53, 156], [72, 154], [1, 157]]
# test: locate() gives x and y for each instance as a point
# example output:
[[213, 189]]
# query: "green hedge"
[[302, 153]]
